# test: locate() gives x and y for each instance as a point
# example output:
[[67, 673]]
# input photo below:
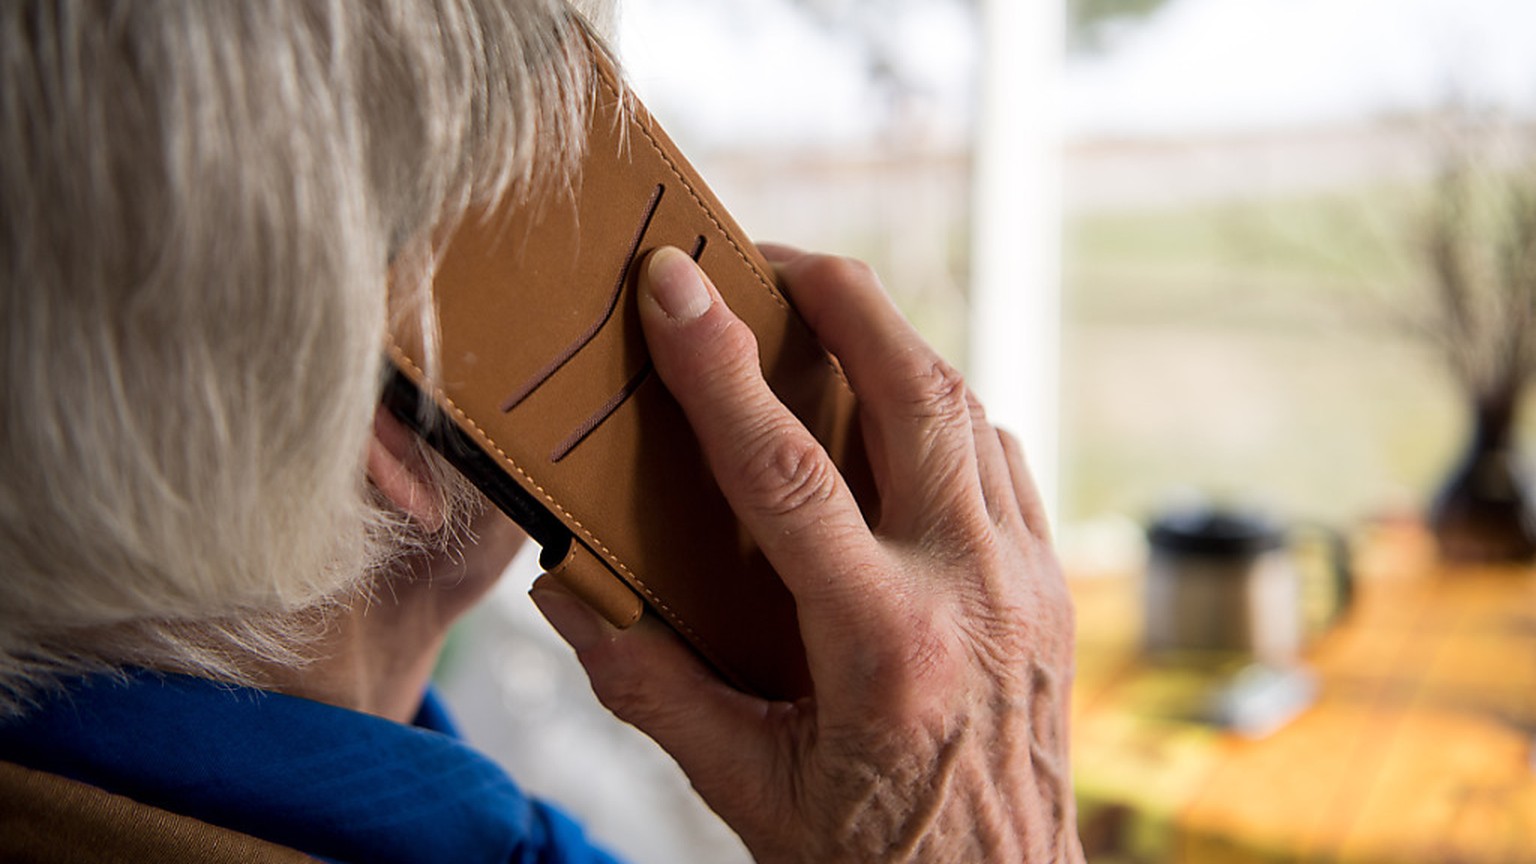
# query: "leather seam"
[[399, 356]]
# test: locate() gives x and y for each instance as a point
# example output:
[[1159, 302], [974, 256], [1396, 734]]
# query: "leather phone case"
[[547, 400]]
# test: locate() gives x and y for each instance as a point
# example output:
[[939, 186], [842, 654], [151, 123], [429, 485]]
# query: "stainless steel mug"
[[1228, 581]]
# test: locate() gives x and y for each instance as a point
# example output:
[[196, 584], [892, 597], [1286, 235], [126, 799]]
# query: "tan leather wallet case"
[[553, 410]]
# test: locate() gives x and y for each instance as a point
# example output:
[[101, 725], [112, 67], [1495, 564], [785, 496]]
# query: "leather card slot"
[[538, 378], [590, 425], [618, 399]]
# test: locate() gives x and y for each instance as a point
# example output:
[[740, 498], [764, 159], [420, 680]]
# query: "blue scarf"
[[329, 782]]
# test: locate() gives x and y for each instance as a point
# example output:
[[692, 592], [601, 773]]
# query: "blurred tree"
[[872, 26], [1476, 245], [1090, 20]]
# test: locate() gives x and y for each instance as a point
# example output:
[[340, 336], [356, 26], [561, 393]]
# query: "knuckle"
[[787, 471], [821, 270], [730, 356], [939, 676], [736, 340], [936, 390], [721, 367]]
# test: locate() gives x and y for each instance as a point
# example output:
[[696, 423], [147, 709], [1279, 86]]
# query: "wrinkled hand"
[[939, 642]]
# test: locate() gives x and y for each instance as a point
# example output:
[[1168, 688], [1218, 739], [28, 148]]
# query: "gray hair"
[[208, 212]]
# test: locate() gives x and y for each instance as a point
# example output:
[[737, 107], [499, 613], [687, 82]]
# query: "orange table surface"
[[1417, 748]]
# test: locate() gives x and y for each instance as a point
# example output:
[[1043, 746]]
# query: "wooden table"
[[1418, 747]]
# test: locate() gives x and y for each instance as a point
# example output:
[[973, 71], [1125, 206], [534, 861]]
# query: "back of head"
[[203, 207]]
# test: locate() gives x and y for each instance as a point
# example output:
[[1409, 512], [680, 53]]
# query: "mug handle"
[[1340, 560]]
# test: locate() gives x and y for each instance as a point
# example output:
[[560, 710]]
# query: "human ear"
[[395, 469]]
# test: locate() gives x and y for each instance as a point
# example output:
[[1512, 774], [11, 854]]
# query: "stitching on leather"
[[399, 356], [715, 220]]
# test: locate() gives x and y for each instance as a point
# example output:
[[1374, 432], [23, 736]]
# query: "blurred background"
[[1190, 250]]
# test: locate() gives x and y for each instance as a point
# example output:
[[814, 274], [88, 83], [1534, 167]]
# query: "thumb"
[[722, 738]]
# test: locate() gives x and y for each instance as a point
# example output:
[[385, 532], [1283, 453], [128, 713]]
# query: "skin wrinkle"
[[958, 533], [931, 809], [953, 766], [929, 393], [939, 459], [1010, 749], [986, 828], [1046, 746], [995, 639], [793, 476], [882, 806], [939, 398], [1000, 499], [939, 643], [926, 655], [999, 663], [856, 822]]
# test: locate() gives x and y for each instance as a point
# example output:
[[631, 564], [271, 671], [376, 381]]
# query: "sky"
[[1217, 65], [751, 72], [733, 72]]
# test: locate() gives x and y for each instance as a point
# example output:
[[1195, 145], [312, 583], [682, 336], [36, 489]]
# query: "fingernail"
[[579, 626], [677, 284]]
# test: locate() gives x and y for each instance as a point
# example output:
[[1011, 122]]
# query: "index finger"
[[776, 476]]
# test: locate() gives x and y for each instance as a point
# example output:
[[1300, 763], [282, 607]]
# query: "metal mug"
[[1227, 581]]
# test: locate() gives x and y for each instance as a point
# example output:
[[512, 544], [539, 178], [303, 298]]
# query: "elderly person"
[[228, 573]]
